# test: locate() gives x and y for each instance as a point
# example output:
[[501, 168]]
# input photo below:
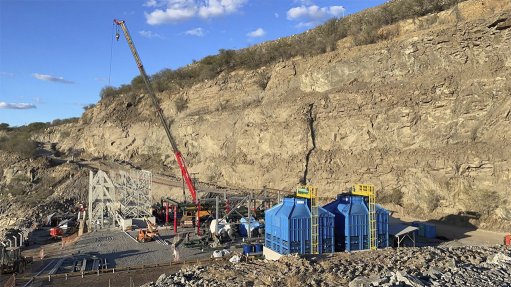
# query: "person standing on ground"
[[176, 252]]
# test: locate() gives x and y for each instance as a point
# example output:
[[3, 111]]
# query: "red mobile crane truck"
[[159, 112]]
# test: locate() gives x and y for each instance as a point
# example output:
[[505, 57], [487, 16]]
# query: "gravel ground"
[[121, 251], [426, 266]]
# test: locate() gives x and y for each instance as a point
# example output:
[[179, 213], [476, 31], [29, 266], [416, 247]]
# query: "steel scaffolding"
[[134, 190], [102, 201], [127, 196]]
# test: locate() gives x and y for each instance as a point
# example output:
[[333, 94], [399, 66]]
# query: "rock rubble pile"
[[427, 266]]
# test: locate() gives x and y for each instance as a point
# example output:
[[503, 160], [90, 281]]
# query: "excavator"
[[159, 112]]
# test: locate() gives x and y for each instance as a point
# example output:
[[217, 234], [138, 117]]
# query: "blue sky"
[[55, 54]]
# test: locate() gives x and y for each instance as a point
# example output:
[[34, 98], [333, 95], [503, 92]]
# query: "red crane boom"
[[179, 157]]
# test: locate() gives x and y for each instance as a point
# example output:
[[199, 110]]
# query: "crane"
[[159, 112]]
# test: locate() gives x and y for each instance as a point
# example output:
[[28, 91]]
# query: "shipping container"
[[288, 228], [416, 224], [429, 230]]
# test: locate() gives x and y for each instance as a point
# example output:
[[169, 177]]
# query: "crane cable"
[[111, 51]]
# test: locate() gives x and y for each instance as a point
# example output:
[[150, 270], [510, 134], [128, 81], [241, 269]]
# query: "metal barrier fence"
[[98, 272]]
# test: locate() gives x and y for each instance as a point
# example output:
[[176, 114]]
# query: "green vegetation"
[[485, 202], [394, 196], [431, 201], [18, 139], [181, 104], [88, 107], [4, 127], [108, 91], [262, 80], [364, 27], [58, 122], [19, 143]]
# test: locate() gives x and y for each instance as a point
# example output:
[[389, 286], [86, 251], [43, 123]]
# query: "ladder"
[[314, 220], [368, 191], [311, 193]]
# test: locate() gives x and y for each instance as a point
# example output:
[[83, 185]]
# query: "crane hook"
[[117, 36]]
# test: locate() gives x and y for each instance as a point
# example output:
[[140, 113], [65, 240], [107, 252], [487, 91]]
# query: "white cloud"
[[257, 33], [314, 12], [215, 8], [276, 15], [154, 3], [16, 106], [182, 10], [199, 32], [51, 78], [149, 34], [170, 15], [337, 11]]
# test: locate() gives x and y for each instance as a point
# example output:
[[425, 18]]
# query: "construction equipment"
[[367, 190], [56, 232], [65, 227], [144, 236], [222, 231], [148, 234], [11, 260], [311, 193], [159, 112], [192, 216]]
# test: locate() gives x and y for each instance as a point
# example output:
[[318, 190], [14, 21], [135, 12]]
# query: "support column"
[[217, 205], [175, 219], [249, 203], [166, 212]]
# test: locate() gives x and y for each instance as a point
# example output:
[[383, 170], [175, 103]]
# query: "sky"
[[57, 55]]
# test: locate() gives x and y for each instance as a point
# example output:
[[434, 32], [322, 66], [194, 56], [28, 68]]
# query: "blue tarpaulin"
[[244, 226]]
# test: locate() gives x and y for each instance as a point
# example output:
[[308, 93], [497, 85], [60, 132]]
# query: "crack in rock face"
[[310, 120]]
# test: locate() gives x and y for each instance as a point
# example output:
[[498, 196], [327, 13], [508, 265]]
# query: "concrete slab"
[[270, 254]]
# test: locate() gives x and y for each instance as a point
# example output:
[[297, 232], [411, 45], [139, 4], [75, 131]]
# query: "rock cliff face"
[[30, 190], [426, 117]]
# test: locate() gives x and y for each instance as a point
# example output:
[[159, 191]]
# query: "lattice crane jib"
[[311, 193], [368, 191]]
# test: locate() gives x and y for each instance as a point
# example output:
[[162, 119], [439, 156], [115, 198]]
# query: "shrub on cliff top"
[[364, 27], [19, 143]]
